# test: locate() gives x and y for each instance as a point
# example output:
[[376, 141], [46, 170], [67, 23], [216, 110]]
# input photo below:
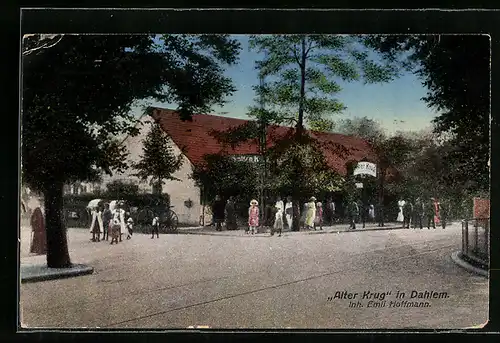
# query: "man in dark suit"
[[418, 214], [407, 213], [430, 213]]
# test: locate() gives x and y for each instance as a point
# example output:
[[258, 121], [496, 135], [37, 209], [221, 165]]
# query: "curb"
[[37, 273], [467, 266], [358, 230], [318, 232]]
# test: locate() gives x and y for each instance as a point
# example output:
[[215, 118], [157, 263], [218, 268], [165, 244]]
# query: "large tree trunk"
[[57, 244], [300, 127]]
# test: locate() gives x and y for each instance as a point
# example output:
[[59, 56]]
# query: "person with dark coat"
[[353, 211], [407, 214], [218, 208], [230, 214], [430, 213], [106, 219], [329, 211], [418, 214], [443, 212]]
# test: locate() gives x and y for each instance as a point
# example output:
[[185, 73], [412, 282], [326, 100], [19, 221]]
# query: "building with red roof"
[[195, 138]]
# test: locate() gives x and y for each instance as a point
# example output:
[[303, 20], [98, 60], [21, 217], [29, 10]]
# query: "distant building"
[[194, 136]]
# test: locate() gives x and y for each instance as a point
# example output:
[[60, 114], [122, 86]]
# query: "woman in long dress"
[[96, 226], [318, 221], [400, 217], [253, 216], [310, 213], [289, 212]]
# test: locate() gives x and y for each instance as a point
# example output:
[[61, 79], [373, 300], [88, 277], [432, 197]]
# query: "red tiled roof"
[[196, 138]]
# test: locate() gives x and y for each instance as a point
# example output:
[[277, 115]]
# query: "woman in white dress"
[[400, 217], [289, 212]]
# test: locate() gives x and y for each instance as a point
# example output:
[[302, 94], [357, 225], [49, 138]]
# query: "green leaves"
[[456, 70], [77, 96], [303, 70], [158, 160]]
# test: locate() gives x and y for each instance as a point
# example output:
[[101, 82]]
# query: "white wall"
[[179, 191]]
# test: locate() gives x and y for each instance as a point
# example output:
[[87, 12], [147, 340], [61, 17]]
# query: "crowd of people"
[[419, 212], [314, 215], [112, 218]]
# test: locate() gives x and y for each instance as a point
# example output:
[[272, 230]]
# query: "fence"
[[476, 241]]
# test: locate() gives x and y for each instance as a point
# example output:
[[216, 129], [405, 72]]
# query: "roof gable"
[[194, 136]]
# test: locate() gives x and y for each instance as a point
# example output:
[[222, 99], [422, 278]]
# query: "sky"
[[396, 105]]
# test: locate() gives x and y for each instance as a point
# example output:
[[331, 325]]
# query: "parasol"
[[94, 203]]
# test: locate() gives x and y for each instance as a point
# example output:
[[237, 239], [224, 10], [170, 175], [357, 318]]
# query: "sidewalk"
[[337, 228]]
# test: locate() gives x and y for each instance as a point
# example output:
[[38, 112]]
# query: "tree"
[[303, 70], [119, 188], [77, 96], [222, 175], [393, 152], [455, 69], [158, 160]]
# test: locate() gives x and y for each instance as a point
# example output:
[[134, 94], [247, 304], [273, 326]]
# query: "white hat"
[[319, 204], [312, 199], [254, 202]]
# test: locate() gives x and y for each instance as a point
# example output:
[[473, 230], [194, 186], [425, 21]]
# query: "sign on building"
[[366, 168]]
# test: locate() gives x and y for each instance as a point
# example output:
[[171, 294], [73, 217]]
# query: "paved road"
[[260, 282]]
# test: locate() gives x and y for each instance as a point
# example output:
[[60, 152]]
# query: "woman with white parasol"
[[96, 226]]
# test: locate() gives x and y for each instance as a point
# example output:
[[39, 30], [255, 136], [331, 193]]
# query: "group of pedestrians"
[[419, 212], [110, 218], [314, 214]]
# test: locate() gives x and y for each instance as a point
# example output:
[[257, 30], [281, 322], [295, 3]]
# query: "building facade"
[[195, 138]]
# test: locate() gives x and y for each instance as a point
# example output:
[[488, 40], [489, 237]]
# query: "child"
[[115, 227], [156, 224], [253, 216], [319, 215], [130, 227], [278, 220]]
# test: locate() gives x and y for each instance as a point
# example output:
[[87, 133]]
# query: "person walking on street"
[[278, 220], [353, 210], [279, 208], [289, 212], [156, 225], [230, 214], [96, 227], [319, 216], [363, 209], [430, 214], [400, 217], [310, 213], [106, 220], [418, 214], [443, 212], [218, 208], [407, 214], [329, 211], [371, 213], [253, 216]]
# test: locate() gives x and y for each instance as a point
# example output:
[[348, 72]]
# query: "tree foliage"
[[456, 71], [222, 175], [304, 70], [118, 189], [77, 97], [158, 160]]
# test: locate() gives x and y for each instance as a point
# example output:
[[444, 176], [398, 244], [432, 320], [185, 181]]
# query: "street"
[[298, 280]]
